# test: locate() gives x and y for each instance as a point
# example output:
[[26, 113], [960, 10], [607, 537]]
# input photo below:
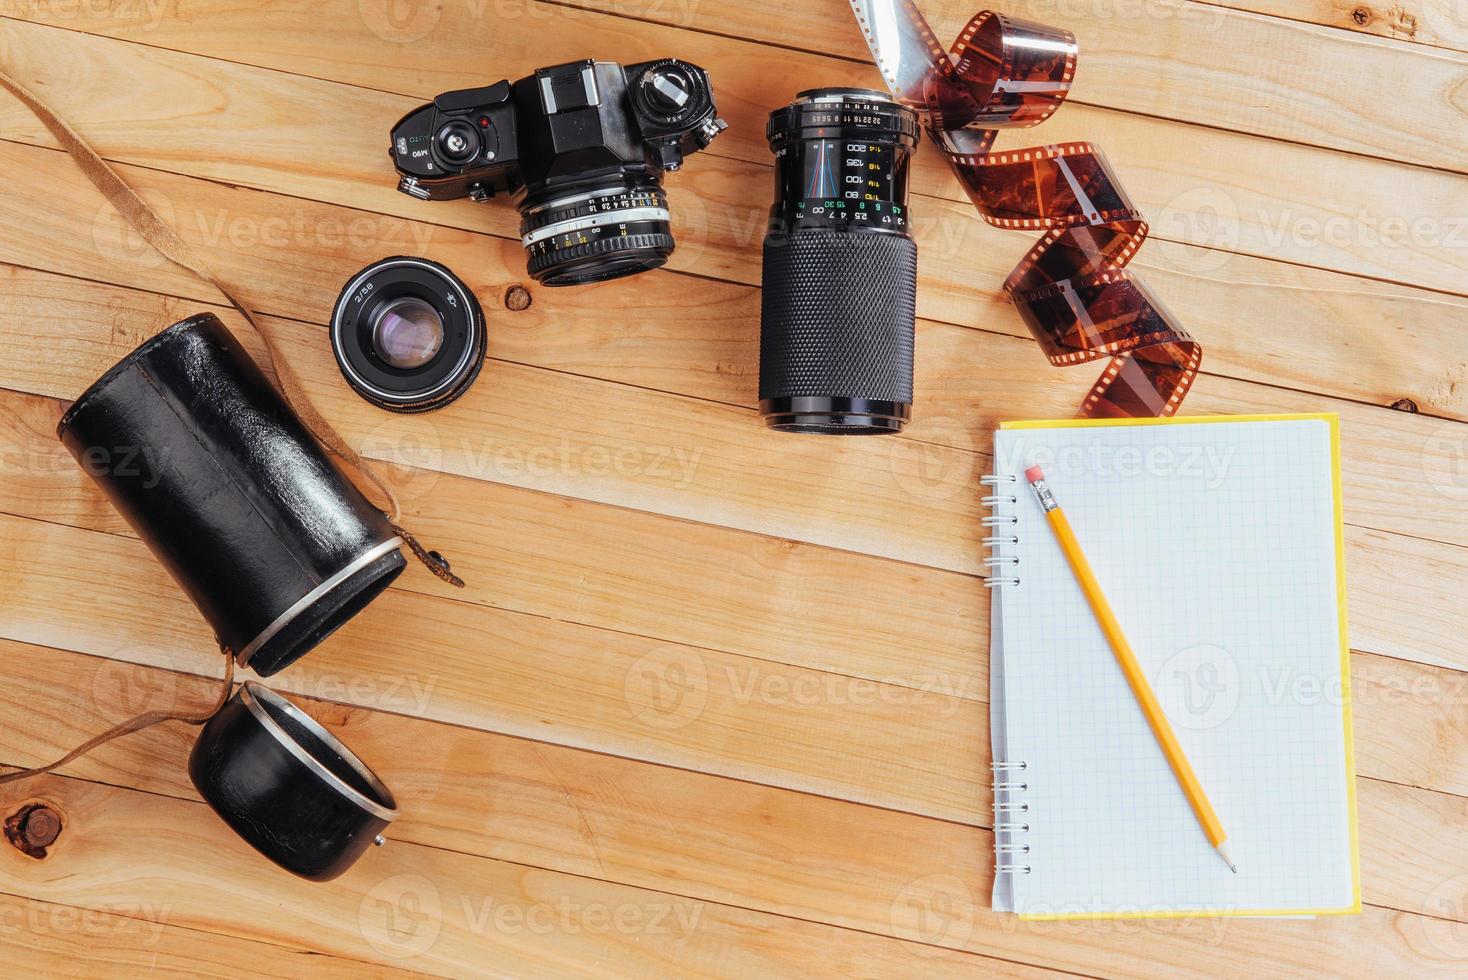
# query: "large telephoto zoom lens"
[[408, 335], [840, 268], [597, 234]]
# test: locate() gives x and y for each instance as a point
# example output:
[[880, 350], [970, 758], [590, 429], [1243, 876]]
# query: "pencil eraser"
[[1034, 474]]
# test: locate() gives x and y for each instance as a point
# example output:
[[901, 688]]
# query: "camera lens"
[[840, 267], [598, 234], [408, 335]]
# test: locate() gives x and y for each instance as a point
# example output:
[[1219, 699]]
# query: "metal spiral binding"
[[997, 500], [1007, 829], [1007, 782]]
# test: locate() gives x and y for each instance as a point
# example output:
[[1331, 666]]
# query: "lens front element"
[[407, 333]]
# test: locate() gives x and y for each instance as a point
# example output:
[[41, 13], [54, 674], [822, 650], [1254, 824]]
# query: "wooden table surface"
[[714, 699]]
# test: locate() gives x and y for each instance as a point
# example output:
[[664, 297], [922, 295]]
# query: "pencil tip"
[[1222, 849], [1232, 867]]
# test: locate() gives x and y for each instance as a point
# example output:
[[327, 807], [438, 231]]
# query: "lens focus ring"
[[647, 251], [836, 345]]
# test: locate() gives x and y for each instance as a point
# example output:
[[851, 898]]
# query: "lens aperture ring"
[[593, 210], [843, 113]]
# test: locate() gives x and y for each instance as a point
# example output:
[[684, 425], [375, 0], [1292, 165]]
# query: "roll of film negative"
[[1073, 289]]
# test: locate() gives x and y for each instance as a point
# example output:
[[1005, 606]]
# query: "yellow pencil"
[[1161, 728]]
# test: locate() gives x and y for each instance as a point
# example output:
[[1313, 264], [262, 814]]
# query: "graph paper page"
[[1216, 544]]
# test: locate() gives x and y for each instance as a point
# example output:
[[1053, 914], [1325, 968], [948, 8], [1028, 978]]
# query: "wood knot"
[[33, 828], [517, 298], [1362, 16], [1405, 405]]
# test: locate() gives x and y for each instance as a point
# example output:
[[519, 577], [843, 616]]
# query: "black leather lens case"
[[287, 786], [234, 496], [276, 548]]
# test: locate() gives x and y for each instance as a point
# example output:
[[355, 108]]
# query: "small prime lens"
[[840, 267], [408, 335]]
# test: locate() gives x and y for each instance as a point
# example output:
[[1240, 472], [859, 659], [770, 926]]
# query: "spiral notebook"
[[1218, 542]]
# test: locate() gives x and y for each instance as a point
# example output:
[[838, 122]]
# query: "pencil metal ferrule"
[[1044, 496]]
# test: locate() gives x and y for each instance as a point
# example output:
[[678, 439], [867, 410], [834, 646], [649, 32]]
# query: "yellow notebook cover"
[[1219, 544]]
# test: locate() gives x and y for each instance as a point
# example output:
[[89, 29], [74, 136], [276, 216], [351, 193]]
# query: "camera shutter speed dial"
[[457, 142]]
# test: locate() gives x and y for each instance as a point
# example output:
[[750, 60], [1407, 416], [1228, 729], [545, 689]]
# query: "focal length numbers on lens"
[[851, 171], [843, 182]]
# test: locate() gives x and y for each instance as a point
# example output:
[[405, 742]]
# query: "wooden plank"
[[894, 498], [640, 574], [1280, 200], [1402, 600], [422, 908], [1410, 723], [49, 940], [1436, 23], [1163, 64], [537, 678], [774, 577], [657, 828], [1363, 341], [1161, 58], [913, 742]]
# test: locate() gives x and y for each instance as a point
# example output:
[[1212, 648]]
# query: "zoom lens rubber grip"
[[837, 317]]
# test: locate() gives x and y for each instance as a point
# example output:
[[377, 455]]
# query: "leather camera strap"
[[175, 249], [136, 724]]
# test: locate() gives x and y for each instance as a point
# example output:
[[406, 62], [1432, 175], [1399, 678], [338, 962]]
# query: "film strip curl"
[[1073, 288]]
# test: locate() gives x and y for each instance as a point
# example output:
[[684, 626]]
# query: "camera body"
[[581, 147]]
